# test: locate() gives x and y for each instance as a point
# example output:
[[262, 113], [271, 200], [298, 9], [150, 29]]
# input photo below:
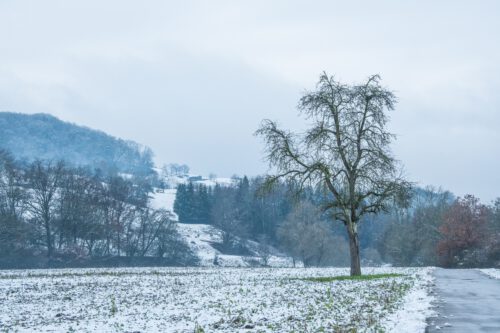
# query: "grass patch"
[[348, 277], [109, 272]]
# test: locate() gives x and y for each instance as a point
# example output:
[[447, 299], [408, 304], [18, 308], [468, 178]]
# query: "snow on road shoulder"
[[491, 272], [416, 305]]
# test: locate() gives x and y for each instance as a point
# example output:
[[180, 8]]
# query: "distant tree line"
[[55, 211], [60, 213], [435, 228], [247, 211], [444, 231]]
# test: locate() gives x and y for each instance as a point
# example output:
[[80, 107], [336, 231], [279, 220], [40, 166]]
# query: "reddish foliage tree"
[[464, 230]]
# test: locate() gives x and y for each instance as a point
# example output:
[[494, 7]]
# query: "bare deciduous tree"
[[225, 217], [44, 181], [346, 151], [464, 232], [306, 237]]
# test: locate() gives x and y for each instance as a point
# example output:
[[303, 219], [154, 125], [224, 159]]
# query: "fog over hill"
[[45, 137]]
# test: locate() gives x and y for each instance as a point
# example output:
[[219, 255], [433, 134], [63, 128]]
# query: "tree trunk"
[[48, 237], [354, 251]]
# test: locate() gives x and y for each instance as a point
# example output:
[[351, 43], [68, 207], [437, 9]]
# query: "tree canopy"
[[346, 151]]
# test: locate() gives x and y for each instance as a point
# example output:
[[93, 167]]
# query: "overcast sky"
[[193, 80]]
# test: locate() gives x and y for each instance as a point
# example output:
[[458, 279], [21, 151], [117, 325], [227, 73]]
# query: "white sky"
[[193, 79]]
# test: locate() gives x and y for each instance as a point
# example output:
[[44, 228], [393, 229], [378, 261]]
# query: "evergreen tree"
[[190, 214], [243, 202], [180, 202], [202, 204]]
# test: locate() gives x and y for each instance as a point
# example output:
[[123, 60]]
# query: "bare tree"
[[44, 181], [12, 195], [13, 229], [306, 237], [264, 250], [412, 234], [346, 151], [119, 209], [151, 224], [464, 232], [225, 217]]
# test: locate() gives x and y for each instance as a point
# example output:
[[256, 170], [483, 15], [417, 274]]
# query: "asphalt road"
[[468, 301]]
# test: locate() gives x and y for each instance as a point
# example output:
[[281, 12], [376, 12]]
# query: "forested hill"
[[45, 137]]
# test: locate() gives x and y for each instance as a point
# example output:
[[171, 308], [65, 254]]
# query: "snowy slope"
[[164, 200], [199, 237]]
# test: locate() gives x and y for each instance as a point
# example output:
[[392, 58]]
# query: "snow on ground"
[[173, 181], [491, 272], [164, 200], [199, 238], [217, 181], [417, 306], [212, 299]]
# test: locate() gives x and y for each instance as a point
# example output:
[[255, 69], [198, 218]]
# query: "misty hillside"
[[45, 137]]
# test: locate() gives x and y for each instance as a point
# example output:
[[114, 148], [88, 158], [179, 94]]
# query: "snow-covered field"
[[491, 272], [212, 300]]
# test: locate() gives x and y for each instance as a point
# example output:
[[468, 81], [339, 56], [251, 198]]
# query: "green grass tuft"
[[348, 277]]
